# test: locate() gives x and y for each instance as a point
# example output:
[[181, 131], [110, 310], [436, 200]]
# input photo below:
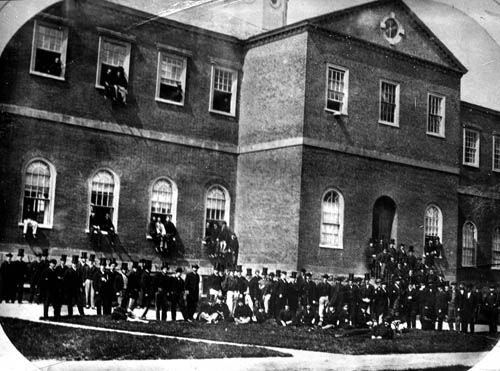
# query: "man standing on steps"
[[192, 287]]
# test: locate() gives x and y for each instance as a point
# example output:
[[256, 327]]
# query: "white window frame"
[[227, 206], [345, 100], [126, 61], [396, 109], [495, 239], [340, 246], [234, 89], [474, 257], [442, 124], [182, 78], [440, 221], [476, 158], [49, 219], [116, 196], [64, 49], [174, 197], [496, 145]]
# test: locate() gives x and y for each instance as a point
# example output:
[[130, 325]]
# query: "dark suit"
[[73, 290], [51, 287], [192, 287], [176, 297]]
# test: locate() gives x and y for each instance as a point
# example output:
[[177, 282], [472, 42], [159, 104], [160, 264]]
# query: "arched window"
[[104, 191], [433, 222], [217, 206], [164, 199], [469, 242], [332, 220], [39, 190], [495, 247]]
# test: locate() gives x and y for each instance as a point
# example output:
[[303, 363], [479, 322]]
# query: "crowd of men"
[[409, 291]]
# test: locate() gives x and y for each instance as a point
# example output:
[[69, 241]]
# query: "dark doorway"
[[384, 212]]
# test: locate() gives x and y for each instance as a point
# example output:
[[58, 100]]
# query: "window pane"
[[161, 199], [388, 102], [470, 147], [216, 205], [435, 114], [336, 89], [432, 221], [330, 225], [496, 153], [222, 93], [103, 186], [469, 238], [36, 192]]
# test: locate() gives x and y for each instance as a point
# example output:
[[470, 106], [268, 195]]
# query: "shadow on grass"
[[414, 341], [48, 341]]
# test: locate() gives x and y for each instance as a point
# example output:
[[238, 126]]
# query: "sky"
[[469, 28]]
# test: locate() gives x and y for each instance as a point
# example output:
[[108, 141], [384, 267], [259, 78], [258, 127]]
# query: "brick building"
[[308, 139]]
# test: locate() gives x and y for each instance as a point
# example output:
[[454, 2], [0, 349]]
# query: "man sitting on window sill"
[[108, 227], [30, 221], [94, 229]]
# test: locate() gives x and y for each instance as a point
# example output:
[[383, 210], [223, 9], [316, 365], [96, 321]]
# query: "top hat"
[[20, 252], [249, 271], [303, 270], [271, 274], [113, 261], [142, 261], [124, 266], [74, 259], [195, 266], [278, 272], [325, 276], [367, 276], [411, 249], [45, 252], [84, 255], [63, 257], [102, 261], [392, 241], [9, 255], [148, 265], [53, 261], [283, 272], [135, 264], [239, 268], [92, 257], [264, 271], [178, 270], [351, 277], [293, 274]]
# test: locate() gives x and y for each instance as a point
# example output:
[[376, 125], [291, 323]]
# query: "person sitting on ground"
[[30, 221], [384, 330], [307, 316], [286, 317], [260, 316], [330, 318], [220, 310], [123, 314], [242, 313], [205, 311]]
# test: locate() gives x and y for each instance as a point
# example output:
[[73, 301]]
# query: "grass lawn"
[[448, 368], [414, 341], [46, 341]]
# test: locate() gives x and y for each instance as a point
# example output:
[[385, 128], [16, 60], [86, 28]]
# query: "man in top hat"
[[177, 295], [215, 283], [301, 280], [242, 282], [255, 295], [35, 274], [490, 305], [73, 287], [121, 286], [309, 292], [323, 291], [51, 288], [352, 299], [7, 288], [293, 292], [441, 306], [162, 285], [61, 267], [192, 287], [20, 275], [134, 286], [266, 285], [89, 282], [281, 293], [380, 301], [230, 286], [147, 287], [103, 289]]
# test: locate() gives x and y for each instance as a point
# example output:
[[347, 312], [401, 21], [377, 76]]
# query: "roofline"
[[489, 111], [309, 26], [151, 17], [460, 67]]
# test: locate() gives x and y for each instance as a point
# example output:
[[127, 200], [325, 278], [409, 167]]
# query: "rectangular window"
[[223, 91], [112, 54], [337, 89], [389, 103], [471, 147], [495, 253], [496, 153], [171, 82], [48, 53], [435, 115]]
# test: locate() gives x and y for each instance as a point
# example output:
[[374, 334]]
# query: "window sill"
[[58, 78], [468, 266], [386, 123], [471, 165], [331, 247], [335, 113], [229, 114], [104, 233], [174, 103], [40, 226], [496, 268], [496, 170], [439, 136]]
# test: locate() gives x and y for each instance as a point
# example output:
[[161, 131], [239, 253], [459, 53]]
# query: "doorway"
[[384, 225]]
